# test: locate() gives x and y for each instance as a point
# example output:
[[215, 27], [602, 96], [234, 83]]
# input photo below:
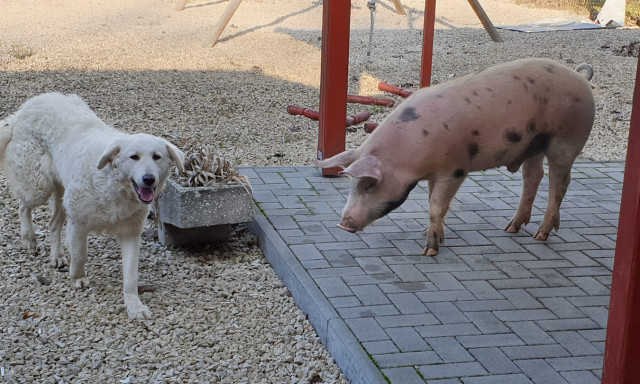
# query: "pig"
[[513, 114]]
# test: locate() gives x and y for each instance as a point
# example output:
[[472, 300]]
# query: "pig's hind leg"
[[532, 173], [560, 163], [442, 189]]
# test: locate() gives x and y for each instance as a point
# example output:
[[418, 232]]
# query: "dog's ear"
[[112, 151], [176, 156]]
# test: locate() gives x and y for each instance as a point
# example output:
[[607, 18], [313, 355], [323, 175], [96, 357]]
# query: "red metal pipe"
[[315, 115], [385, 87], [358, 118], [310, 113], [370, 127], [370, 100]]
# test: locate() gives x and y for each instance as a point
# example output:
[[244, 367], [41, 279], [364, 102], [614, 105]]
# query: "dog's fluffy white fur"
[[101, 179]]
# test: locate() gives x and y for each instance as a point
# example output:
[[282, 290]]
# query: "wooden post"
[[399, 8], [334, 63], [181, 4], [427, 42], [486, 22], [622, 346], [222, 23]]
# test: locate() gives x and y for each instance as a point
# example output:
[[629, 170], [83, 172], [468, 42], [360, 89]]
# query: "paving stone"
[[494, 360], [530, 332], [573, 342], [333, 287], [561, 307], [580, 377], [487, 322], [406, 359], [482, 290], [449, 370], [380, 347], [544, 351], [447, 313], [397, 320], [517, 378], [367, 311], [444, 281], [407, 303], [449, 349], [483, 305], [370, 294], [525, 314], [521, 298], [490, 340], [403, 375], [576, 363], [540, 372], [367, 329], [448, 330], [567, 324], [407, 339]]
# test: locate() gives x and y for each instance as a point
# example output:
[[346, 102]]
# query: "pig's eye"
[[367, 186]]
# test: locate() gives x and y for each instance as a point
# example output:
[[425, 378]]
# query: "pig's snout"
[[347, 225]]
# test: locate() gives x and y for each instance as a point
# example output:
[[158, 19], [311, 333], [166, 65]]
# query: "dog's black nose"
[[148, 179]]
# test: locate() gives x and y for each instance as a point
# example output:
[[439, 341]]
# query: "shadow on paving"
[[491, 307]]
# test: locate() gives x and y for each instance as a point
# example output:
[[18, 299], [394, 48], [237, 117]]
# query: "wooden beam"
[[222, 23], [622, 346], [486, 22], [399, 8], [181, 4]]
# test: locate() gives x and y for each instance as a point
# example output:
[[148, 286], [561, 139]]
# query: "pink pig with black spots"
[[513, 114]]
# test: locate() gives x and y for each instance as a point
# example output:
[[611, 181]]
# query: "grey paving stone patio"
[[491, 307]]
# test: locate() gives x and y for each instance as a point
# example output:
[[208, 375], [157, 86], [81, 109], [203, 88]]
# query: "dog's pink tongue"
[[146, 194]]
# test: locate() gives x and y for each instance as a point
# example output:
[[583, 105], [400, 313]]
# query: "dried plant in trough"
[[203, 168]]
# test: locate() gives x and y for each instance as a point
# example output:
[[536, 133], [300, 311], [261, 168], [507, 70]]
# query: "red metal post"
[[622, 347], [333, 79], [427, 42]]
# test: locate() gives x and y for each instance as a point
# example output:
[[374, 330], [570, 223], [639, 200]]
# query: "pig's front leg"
[[532, 173], [442, 189]]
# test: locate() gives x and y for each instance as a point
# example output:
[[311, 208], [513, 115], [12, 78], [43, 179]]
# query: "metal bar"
[[334, 64], [427, 42]]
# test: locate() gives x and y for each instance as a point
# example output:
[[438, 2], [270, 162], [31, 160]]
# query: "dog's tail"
[[5, 137]]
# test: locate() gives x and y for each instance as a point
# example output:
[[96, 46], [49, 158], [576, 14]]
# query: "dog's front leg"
[[77, 238], [130, 245]]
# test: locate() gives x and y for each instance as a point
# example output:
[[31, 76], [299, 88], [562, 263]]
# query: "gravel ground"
[[221, 314]]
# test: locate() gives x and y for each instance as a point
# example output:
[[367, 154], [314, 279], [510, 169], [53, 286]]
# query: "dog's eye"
[[134, 157], [157, 157]]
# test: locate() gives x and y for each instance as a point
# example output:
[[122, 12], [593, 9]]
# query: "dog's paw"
[[138, 312], [59, 261], [29, 244], [79, 283]]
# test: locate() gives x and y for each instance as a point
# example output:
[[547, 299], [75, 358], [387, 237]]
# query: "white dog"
[[104, 180]]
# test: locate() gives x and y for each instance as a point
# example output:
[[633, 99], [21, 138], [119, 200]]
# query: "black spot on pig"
[[458, 173], [425, 132], [391, 205], [515, 77], [475, 93], [408, 115], [549, 68], [531, 126], [473, 150], [531, 80], [576, 99], [512, 136], [475, 132], [537, 145], [438, 96], [468, 100], [445, 126], [509, 102]]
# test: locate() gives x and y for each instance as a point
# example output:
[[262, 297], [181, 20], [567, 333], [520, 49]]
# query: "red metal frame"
[[622, 347], [334, 62]]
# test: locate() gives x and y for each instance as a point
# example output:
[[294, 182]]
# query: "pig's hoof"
[[512, 229], [430, 251], [541, 236]]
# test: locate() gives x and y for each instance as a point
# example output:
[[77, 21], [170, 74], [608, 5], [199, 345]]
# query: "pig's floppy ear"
[[340, 160], [176, 156], [366, 166], [112, 151]]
